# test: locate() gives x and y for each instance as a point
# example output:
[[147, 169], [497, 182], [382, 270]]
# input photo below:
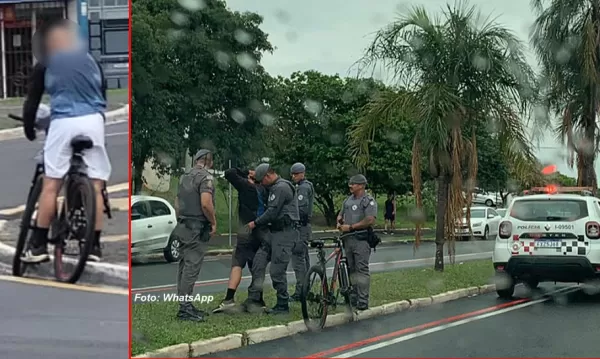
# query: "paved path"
[[555, 325], [160, 277], [44, 322]]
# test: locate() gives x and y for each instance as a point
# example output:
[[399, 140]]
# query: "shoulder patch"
[[272, 197], [209, 177], [372, 203], [300, 197]]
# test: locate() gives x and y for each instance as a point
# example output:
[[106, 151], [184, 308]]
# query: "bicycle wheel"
[[78, 219], [315, 278], [27, 223]]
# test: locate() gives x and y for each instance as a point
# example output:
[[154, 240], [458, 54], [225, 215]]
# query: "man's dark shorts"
[[245, 249], [389, 217]]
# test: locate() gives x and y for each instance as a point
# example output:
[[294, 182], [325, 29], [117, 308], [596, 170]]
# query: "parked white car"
[[152, 221], [490, 199], [484, 223]]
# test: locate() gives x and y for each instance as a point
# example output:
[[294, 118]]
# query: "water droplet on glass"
[[238, 116], [256, 106], [282, 16], [192, 5], [313, 107], [266, 119], [174, 35], [243, 37], [563, 55], [336, 138], [246, 61], [291, 36], [223, 59], [179, 18], [480, 63]]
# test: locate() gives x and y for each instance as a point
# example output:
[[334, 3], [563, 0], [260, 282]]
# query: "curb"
[[120, 114], [264, 334], [94, 273]]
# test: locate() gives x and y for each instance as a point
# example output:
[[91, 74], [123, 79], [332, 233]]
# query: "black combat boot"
[[188, 312], [279, 309]]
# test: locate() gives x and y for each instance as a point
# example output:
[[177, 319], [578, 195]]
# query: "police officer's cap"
[[261, 171], [298, 168], [358, 179], [201, 153]]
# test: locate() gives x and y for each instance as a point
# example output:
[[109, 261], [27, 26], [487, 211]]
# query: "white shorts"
[[58, 151]]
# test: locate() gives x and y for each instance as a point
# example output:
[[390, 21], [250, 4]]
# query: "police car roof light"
[[552, 189]]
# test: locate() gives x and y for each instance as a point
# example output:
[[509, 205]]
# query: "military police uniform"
[[193, 232], [358, 251], [305, 194], [283, 217]]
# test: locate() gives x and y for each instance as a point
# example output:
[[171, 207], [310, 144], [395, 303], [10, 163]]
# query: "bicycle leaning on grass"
[[328, 291], [73, 229]]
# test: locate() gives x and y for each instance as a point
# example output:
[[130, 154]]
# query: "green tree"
[[197, 82], [566, 39], [314, 114], [459, 77]]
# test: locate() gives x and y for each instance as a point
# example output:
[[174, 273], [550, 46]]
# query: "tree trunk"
[[587, 172], [136, 178], [442, 205], [328, 208]]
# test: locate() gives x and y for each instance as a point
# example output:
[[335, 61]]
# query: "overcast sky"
[[329, 35]]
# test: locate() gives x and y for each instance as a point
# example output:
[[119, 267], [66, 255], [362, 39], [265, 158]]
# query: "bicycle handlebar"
[[41, 125], [343, 235], [15, 117]]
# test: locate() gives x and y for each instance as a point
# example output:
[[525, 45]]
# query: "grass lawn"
[[222, 207], [155, 326]]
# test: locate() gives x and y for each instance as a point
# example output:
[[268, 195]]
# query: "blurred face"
[[297, 177], [251, 177], [354, 188], [268, 179], [61, 38], [205, 162]]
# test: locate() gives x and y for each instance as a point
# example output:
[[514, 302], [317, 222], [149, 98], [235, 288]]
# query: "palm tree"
[[566, 39], [455, 73]]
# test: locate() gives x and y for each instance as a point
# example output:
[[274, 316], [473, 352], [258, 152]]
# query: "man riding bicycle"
[[75, 84]]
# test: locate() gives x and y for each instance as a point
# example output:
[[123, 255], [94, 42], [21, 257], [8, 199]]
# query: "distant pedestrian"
[[306, 196], [390, 214], [196, 223], [358, 214], [250, 206], [283, 217]]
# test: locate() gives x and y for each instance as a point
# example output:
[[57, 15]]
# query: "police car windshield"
[[549, 210], [475, 213], [501, 212]]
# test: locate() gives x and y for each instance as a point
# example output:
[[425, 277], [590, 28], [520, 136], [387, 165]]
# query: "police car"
[[550, 234]]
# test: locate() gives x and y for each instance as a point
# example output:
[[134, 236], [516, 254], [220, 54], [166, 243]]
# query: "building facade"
[[104, 22]]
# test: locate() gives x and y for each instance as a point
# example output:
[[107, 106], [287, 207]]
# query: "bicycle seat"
[[80, 143]]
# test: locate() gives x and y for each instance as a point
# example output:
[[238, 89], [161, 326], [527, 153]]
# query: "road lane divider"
[[385, 340], [121, 203], [60, 285], [375, 266]]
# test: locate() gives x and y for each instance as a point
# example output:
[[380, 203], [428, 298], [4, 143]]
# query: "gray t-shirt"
[[306, 197], [355, 209], [191, 185], [281, 202]]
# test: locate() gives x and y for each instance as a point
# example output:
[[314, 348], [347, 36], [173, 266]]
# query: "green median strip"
[[155, 325]]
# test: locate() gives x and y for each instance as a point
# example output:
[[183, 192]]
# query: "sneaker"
[[252, 306], [95, 255], [224, 305], [36, 254]]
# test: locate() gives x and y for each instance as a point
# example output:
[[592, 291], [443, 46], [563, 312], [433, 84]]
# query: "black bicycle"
[[72, 231], [327, 293]]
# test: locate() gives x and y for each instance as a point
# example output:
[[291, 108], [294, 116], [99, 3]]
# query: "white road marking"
[[439, 328], [481, 255], [111, 189], [116, 134]]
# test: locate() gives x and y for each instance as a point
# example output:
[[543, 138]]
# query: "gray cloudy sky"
[[329, 35]]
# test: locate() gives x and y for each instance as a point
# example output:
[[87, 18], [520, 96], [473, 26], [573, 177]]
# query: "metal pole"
[[230, 209]]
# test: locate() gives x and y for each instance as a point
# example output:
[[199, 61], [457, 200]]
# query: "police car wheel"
[[486, 233], [489, 203], [532, 284], [171, 251]]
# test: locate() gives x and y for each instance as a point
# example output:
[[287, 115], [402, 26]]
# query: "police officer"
[[358, 214], [306, 195], [196, 222], [282, 214]]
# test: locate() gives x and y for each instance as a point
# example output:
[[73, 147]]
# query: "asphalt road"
[[39, 322], [542, 324], [16, 158], [160, 277]]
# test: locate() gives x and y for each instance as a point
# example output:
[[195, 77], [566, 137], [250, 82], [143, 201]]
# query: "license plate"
[[466, 230], [547, 244]]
